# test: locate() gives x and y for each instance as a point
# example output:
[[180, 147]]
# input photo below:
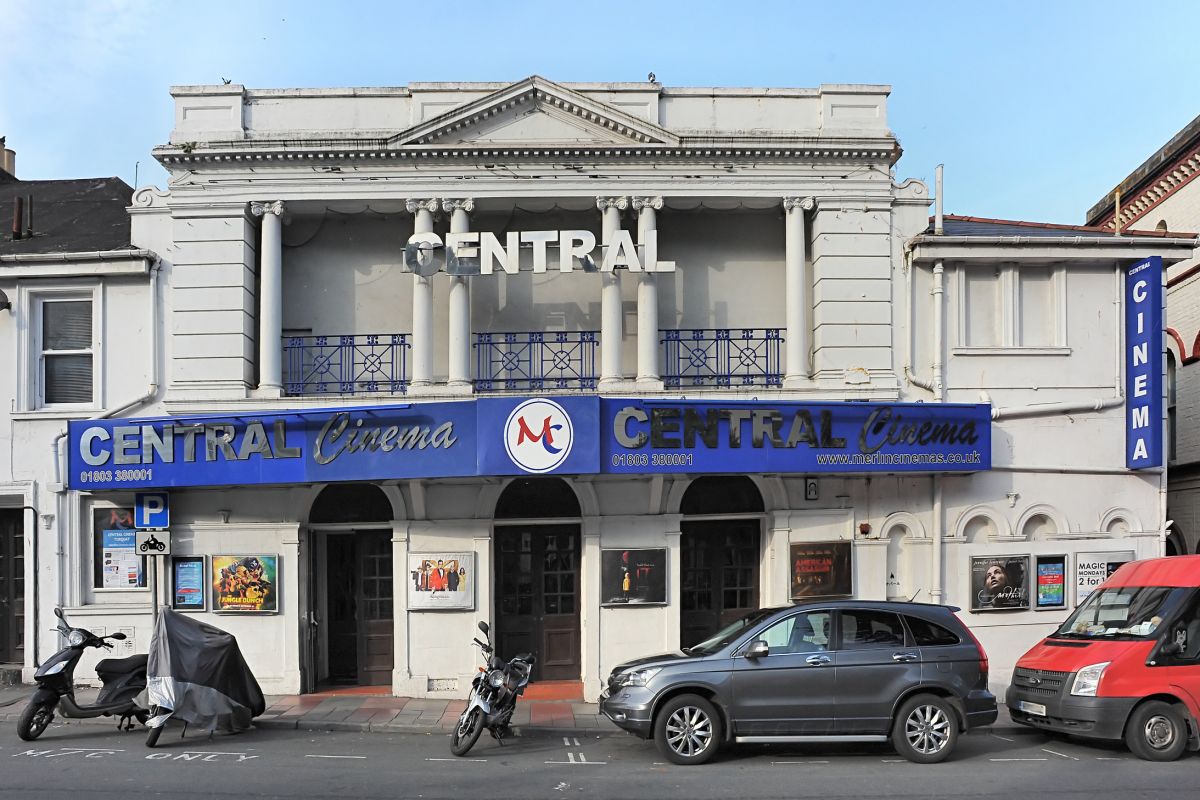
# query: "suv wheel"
[[925, 730], [1156, 732], [688, 730]]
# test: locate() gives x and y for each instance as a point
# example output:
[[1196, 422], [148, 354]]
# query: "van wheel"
[[688, 730], [1156, 731], [926, 729]]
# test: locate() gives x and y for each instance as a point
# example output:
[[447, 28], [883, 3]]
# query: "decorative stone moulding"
[[1002, 531]]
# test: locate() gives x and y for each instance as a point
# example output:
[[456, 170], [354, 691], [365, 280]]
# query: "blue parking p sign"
[[150, 510]]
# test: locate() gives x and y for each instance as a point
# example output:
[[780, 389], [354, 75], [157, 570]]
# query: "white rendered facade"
[[287, 215]]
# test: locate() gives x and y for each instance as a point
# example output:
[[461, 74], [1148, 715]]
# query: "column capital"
[[653, 203], [619, 203], [413, 205], [264, 207], [802, 203], [466, 204]]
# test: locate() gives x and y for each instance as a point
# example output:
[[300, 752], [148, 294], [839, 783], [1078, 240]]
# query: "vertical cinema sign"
[[1143, 364]]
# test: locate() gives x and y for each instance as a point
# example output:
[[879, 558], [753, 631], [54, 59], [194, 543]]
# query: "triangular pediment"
[[536, 112]]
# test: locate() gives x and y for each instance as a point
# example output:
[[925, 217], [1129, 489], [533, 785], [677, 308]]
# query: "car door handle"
[[904, 657], [816, 661]]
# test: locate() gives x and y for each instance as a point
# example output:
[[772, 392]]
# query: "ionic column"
[[796, 338], [422, 299], [647, 297], [459, 334], [610, 294], [270, 314]]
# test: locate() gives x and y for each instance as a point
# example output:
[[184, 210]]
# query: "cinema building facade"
[[605, 365]]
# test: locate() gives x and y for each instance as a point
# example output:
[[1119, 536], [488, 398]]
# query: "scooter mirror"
[[483, 626], [118, 636], [58, 613]]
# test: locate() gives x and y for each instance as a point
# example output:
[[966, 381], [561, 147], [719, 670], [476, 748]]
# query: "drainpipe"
[[910, 334], [33, 543], [939, 390]]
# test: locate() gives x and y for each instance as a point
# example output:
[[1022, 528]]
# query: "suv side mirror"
[[757, 649], [1171, 649]]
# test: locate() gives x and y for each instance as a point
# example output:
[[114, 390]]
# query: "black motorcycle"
[[494, 694], [123, 678]]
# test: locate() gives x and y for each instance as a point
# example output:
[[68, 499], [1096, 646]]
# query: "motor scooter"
[[123, 678]]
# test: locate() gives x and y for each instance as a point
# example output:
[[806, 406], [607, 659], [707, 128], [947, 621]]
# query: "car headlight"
[[637, 677], [76, 638], [496, 678], [1088, 679]]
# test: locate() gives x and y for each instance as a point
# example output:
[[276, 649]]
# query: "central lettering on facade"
[[681, 428], [574, 247]]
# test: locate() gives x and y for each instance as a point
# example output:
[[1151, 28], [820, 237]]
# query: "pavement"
[[382, 714]]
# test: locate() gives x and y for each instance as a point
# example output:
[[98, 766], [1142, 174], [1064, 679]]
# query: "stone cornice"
[[1170, 180]]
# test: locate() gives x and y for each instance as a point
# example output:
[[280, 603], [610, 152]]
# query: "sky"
[[1037, 109]]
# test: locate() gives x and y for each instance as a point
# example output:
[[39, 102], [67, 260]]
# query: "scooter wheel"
[[152, 736], [34, 720]]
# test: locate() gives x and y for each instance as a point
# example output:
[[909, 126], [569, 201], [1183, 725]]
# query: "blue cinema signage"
[[654, 436], [535, 435], [1144, 364]]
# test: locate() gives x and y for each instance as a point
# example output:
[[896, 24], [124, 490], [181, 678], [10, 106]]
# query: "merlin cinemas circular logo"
[[538, 435]]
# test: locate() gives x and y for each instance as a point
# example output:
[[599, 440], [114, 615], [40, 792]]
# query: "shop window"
[[115, 563], [66, 351], [1011, 306]]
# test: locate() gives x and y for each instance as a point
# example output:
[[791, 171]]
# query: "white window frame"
[[1010, 312], [31, 394]]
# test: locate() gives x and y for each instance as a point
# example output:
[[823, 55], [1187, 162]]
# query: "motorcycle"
[[123, 678], [494, 693]]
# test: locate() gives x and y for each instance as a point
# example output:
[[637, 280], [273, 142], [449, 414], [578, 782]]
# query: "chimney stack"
[[8, 159]]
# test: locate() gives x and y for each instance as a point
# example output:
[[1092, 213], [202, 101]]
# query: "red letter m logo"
[[546, 437]]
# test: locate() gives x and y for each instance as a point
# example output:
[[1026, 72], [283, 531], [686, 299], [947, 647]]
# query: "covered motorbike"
[[196, 674]]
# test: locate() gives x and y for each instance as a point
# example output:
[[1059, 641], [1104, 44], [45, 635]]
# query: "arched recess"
[[1118, 522], [771, 491], [981, 521], [339, 503], [915, 528], [1040, 522], [537, 498], [895, 529], [722, 494]]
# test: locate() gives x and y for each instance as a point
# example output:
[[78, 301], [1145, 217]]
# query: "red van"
[[1125, 665]]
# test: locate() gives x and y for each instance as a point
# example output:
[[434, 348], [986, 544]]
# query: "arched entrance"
[[537, 533], [720, 550], [351, 586]]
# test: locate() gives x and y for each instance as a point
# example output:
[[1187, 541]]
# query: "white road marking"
[[799, 762], [312, 756], [1108, 758], [1003, 738], [562, 786], [1018, 759], [582, 761], [476, 760], [894, 760], [1056, 753]]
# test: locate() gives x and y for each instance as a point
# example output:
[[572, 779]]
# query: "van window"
[[1127, 612], [930, 634], [1186, 631]]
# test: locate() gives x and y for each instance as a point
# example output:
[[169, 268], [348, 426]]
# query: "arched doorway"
[[537, 541], [720, 550], [351, 586]]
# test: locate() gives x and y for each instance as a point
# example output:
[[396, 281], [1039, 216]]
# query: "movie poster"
[[999, 583], [1051, 582], [633, 577], [1093, 569], [245, 584], [122, 567], [187, 583], [441, 581], [821, 569]]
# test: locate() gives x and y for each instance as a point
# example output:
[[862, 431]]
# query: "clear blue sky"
[[1036, 108]]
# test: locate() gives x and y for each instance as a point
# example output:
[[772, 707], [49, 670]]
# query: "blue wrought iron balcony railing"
[[722, 357], [535, 360], [352, 364]]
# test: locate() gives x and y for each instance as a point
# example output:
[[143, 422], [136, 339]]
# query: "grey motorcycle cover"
[[196, 673]]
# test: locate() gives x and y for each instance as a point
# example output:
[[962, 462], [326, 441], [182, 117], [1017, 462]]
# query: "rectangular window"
[[66, 352], [115, 564], [1035, 306], [981, 308]]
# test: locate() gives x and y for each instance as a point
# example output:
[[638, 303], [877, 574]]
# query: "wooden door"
[[537, 597], [341, 607], [376, 650], [12, 587], [719, 570]]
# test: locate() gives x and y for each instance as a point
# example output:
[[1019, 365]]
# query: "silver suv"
[[849, 671]]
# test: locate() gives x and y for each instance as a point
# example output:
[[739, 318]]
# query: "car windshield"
[[1126, 612], [726, 635]]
